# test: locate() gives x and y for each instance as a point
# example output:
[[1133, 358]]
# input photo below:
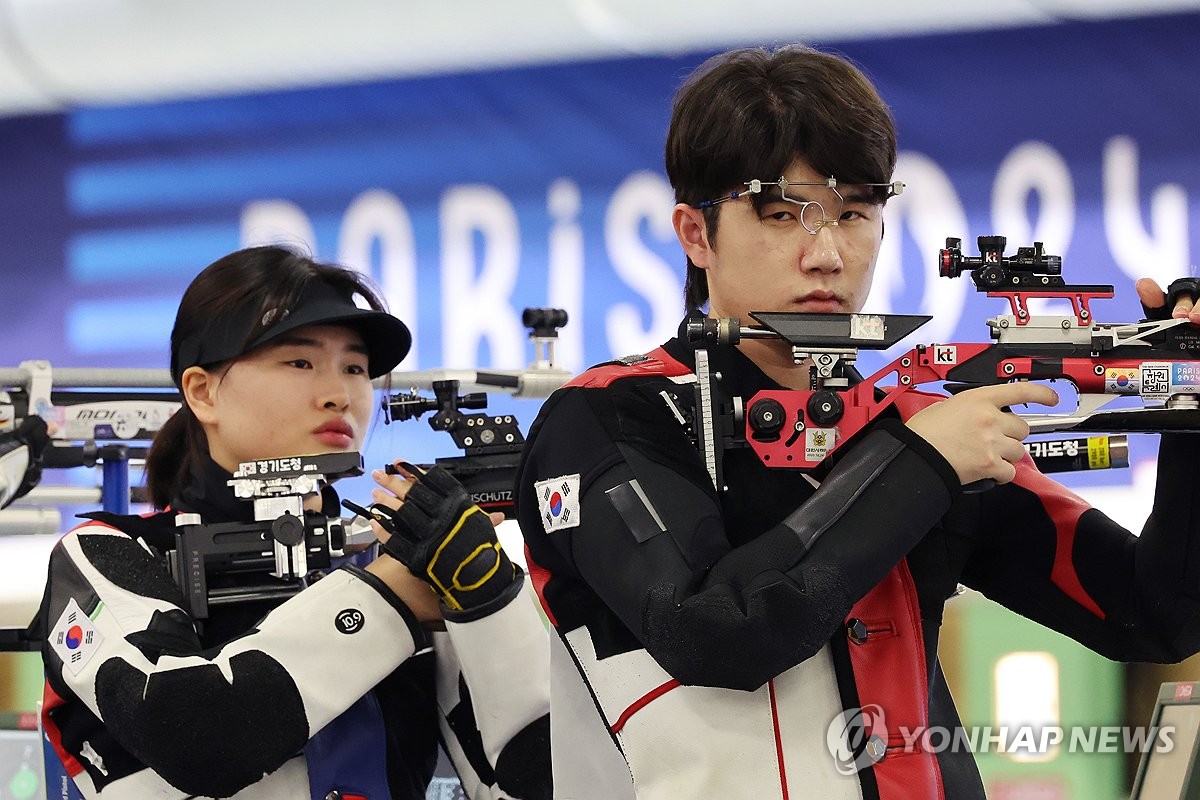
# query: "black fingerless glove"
[[1179, 286], [447, 540]]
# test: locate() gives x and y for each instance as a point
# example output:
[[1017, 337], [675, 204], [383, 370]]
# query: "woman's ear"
[[198, 387], [692, 231]]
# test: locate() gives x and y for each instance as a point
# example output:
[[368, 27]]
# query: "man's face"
[[765, 259]]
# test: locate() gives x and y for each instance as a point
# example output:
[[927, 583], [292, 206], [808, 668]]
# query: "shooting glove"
[[21, 458], [1178, 287], [447, 540]]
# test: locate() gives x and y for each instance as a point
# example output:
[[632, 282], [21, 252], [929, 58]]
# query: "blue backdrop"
[[471, 196]]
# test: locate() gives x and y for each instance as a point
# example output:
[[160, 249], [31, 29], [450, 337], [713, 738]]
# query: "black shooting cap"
[[225, 336]]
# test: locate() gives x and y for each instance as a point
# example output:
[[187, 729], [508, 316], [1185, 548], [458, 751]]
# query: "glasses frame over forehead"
[[807, 207]]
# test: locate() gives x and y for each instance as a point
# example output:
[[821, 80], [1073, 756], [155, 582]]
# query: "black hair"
[[751, 113], [254, 280]]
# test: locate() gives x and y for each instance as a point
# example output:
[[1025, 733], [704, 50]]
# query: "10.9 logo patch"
[[349, 620]]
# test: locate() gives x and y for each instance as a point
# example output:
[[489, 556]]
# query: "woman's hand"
[[412, 591], [427, 521]]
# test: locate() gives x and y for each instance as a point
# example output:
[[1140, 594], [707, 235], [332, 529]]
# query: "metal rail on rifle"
[[109, 416]]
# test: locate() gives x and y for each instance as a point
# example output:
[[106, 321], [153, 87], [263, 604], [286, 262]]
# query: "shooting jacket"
[[337, 688], [777, 639]]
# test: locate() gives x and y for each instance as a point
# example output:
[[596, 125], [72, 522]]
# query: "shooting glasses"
[[812, 214]]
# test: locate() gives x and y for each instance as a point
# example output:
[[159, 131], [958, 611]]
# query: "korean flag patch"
[[74, 638], [558, 502]]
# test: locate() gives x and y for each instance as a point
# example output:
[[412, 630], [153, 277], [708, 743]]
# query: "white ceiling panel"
[[59, 53]]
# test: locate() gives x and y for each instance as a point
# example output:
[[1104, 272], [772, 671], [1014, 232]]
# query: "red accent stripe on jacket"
[[1062, 506], [642, 702], [539, 576], [890, 672], [778, 740], [658, 362], [51, 701]]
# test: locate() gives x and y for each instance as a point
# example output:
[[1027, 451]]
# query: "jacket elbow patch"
[[199, 732], [524, 763], [739, 639], [126, 563]]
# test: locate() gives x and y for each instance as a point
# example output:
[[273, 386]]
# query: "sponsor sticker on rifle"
[[1185, 377], [945, 354], [1121, 380], [818, 442], [1053, 449], [1156, 381], [867, 326], [75, 638], [558, 502], [114, 419]]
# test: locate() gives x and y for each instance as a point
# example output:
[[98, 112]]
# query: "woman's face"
[[305, 393]]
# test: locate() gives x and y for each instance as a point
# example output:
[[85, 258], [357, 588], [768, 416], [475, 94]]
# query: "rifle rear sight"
[[1030, 268], [491, 445], [475, 434]]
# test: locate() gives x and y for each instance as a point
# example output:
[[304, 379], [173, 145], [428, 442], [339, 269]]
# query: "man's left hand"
[[1157, 303]]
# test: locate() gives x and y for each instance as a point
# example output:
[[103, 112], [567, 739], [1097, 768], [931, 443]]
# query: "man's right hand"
[[976, 435]]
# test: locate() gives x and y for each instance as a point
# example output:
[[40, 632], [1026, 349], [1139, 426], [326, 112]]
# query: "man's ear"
[[692, 232], [198, 387]]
